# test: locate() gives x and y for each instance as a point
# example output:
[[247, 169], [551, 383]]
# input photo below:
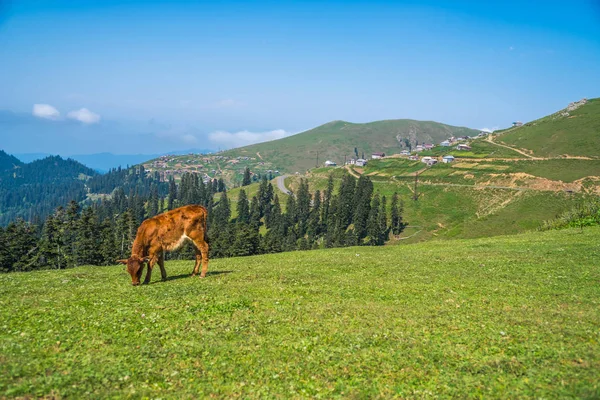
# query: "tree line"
[[103, 231]]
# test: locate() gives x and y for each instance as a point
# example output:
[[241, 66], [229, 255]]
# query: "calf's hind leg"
[[201, 253], [161, 264]]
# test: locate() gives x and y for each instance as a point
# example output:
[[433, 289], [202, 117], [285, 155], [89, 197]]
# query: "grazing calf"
[[167, 232]]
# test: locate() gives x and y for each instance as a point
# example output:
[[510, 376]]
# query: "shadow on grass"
[[182, 276]]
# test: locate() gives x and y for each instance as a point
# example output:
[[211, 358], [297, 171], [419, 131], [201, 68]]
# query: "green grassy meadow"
[[504, 317], [574, 134]]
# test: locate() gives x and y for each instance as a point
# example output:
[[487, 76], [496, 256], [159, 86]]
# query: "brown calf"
[[167, 232]]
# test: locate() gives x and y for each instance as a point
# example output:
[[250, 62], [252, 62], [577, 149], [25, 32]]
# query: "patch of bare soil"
[[522, 179]]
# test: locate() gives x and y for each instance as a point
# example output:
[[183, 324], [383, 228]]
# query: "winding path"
[[281, 184]]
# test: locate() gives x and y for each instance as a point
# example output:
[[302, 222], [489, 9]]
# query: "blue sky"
[[147, 77]]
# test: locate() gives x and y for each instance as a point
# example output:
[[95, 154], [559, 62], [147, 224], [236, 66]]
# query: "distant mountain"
[[103, 162], [8, 162], [37, 188], [573, 131], [338, 139]]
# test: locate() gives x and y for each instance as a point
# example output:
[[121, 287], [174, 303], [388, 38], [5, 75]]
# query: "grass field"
[[506, 317], [577, 133]]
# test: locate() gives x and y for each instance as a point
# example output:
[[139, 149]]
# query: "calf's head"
[[135, 267]]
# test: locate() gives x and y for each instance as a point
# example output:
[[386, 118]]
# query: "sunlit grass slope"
[[505, 317], [575, 134]]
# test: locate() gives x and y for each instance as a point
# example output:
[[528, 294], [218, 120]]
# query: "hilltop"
[[332, 141], [335, 140], [573, 131]]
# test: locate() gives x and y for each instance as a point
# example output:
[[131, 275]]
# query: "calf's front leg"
[[149, 272]]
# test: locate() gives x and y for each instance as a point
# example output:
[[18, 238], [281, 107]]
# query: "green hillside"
[[506, 317], [573, 133], [337, 139]]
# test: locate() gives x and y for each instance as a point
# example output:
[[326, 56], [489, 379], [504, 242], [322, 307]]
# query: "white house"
[[361, 162], [330, 163], [376, 156], [447, 159], [426, 159], [445, 143]]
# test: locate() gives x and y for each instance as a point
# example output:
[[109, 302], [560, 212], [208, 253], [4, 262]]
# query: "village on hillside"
[[211, 166], [461, 143]]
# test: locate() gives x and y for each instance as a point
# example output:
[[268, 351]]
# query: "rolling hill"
[[573, 131], [337, 139]]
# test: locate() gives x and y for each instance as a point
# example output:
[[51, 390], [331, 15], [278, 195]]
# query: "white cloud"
[[45, 111], [84, 115], [492, 129], [243, 138]]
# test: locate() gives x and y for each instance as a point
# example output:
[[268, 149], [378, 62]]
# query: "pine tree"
[[21, 244], [302, 207], [397, 223], [314, 220], [172, 193], [153, 202], [70, 230], [327, 196], [88, 238], [246, 181], [254, 213], [383, 222], [362, 206], [243, 209], [220, 185], [108, 247], [373, 224], [51, 245]]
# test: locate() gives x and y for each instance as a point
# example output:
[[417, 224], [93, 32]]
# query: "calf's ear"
[[124, 261]]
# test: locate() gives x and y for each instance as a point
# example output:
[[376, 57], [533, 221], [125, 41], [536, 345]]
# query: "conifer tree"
[[172, 193], [108, 247], [88, 238], [373, 224], [246, 180], [302, 207], [383, 222], [51, 245], [327, 196], [220, 185], [243, 209], [314, 220], [362, 206], [20, 245], [254, 213], [397, 209], [153, 202]]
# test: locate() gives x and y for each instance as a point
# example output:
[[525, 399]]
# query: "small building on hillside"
[[445, 143], [517, 123], [377, 155], [447, 159], [330, 164], [405, 153], [463, 147], [426, 159], [361, 162], [414, 158], [419, 148], [428, 146]]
